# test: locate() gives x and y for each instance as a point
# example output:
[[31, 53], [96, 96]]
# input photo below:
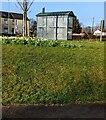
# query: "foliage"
[[33, 27], [76, 25], [52, 75], [41, 43]]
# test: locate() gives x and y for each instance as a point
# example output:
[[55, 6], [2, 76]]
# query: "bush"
[[6, 41], [40, 43]]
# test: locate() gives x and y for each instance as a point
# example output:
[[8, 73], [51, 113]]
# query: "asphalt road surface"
[[54, 111]]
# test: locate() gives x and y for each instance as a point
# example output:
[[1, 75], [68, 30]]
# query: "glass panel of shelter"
[[51, 21], [62, 21]]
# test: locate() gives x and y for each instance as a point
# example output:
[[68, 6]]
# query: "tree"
[[25, 6], [87, 31], [33, 27], [76, 25]]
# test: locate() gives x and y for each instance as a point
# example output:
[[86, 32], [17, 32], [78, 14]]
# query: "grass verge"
[[53, 75]]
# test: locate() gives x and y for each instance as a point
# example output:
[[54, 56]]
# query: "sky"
[[85, 11]]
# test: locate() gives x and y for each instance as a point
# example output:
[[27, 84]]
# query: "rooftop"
[[11, 15], [56, 13]]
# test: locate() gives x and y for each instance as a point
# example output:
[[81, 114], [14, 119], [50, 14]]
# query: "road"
[[54, 111]]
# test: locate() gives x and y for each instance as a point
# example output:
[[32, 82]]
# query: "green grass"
[[53, 75]]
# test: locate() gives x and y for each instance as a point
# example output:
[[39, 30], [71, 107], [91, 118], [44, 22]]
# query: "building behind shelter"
[[12, 23], [55, 25]]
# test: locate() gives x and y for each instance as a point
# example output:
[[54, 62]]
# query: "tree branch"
[[20, 5], [30, 5]]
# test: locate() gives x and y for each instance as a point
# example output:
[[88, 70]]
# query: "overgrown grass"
[[53, 75]]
